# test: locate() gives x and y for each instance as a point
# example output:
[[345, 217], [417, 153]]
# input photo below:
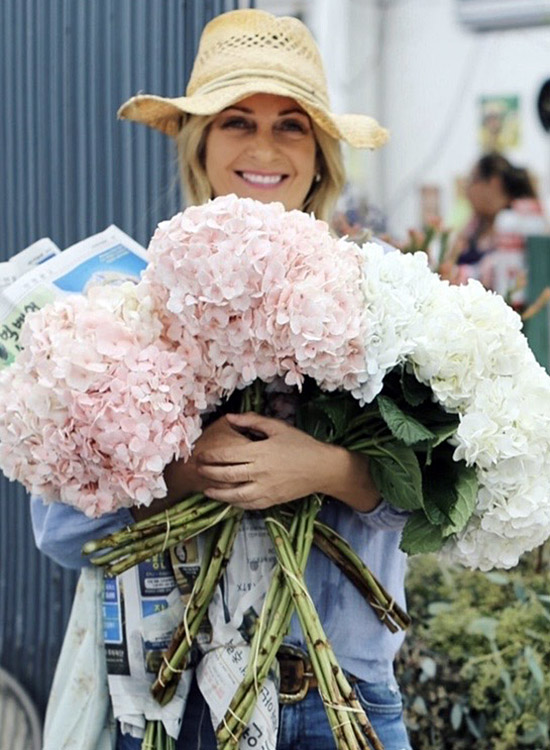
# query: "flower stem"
[[348, 721], [271, 628], [217, 552], [123, 557], [340, 552], [142, 528]]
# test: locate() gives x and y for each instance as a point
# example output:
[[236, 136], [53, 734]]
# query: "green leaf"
[[473, 727], [402, 425], [443, 432], [486, 626], [428, 667], [466, 489], [340, 412], [456, 716], [396, 473], [534, 666], [419, 706], [520, 591], [327, 416], [450, 491], [433, 414], [439, 496], [538, 732], [436, 608], [414, 391], [419, 535], [500, 579]]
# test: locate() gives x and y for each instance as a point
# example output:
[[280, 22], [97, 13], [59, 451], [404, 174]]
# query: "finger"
[[237, 454], [222, 485], [229, 474], [257, 422], [243, 495]]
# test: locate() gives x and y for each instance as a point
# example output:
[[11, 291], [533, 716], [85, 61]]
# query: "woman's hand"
[[284, 465]]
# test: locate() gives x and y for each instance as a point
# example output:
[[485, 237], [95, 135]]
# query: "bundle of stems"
[[292, 533], [270, 629], [350, 726], [156, 737], [143, 539], [339, 551], [217, 551]]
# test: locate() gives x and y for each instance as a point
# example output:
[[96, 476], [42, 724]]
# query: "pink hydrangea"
[[269, 293], [98, 402]]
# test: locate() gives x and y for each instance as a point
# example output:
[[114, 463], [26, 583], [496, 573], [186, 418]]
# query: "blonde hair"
[[321, 199]]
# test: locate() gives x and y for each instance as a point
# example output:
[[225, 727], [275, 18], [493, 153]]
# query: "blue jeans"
[[302, 726]]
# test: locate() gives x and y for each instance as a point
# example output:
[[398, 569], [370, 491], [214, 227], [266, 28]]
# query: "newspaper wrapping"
[[233, 611], [141, 609], [44, 274]]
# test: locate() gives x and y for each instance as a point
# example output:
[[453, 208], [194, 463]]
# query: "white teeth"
[[262, 179]]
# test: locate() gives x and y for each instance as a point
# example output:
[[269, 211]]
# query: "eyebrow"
[[293, 110]]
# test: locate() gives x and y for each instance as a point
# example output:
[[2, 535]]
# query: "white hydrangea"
[[470, 334], [396, 288], [466, 344]]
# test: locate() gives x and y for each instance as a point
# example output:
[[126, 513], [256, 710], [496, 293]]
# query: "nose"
[[263, 146]]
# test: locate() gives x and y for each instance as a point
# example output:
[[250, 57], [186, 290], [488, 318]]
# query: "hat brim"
[[166, 115]]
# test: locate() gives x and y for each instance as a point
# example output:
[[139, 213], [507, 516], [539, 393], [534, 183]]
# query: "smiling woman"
[[326, 183], [256, 122], [262, 147]]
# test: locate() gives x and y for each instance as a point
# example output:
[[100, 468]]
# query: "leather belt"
[[296, 674]]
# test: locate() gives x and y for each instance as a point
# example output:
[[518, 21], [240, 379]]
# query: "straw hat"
[[247, 52]]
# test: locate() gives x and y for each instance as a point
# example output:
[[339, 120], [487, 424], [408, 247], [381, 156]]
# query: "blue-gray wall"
[[68, 169]]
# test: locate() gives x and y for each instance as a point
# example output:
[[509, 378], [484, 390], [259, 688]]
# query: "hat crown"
[[254, 41]]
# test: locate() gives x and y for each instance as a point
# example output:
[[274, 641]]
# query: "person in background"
[[256, 122], [505, 269], [495, 189]]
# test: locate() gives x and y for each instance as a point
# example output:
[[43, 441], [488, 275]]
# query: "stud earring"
[[318, 177]]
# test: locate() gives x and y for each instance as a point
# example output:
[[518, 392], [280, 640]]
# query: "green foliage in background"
[[475, 668]]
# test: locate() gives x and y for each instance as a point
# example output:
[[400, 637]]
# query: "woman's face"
[[487, 196], [262, 147]]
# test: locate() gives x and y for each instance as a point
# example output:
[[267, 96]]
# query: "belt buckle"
[[294, 653]]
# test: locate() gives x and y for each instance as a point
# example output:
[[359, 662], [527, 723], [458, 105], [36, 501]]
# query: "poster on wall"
[[499, 122]]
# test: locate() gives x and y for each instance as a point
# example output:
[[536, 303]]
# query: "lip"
[[264, 181]]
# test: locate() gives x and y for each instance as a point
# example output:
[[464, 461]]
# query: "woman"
[[256, 122], [494, 185]]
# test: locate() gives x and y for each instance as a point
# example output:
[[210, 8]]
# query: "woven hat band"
[[296, 89]]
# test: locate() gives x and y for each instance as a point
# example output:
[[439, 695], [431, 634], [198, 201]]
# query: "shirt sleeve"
[[60, 530], [385, 517]]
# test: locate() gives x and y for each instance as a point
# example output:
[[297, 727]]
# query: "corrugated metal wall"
[[68, 168]]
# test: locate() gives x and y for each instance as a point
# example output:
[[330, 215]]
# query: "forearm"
[[60, 530], [458, 246], [346, 477]]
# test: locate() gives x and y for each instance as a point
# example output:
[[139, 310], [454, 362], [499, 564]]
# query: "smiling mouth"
[[262, 180]]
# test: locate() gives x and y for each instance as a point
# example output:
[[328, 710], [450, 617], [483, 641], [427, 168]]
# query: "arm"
[[61, 530]]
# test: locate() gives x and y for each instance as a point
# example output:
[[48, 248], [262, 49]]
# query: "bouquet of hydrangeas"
[[436, 384]]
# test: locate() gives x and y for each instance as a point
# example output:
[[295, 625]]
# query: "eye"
[[293, 125], [235, 122]]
